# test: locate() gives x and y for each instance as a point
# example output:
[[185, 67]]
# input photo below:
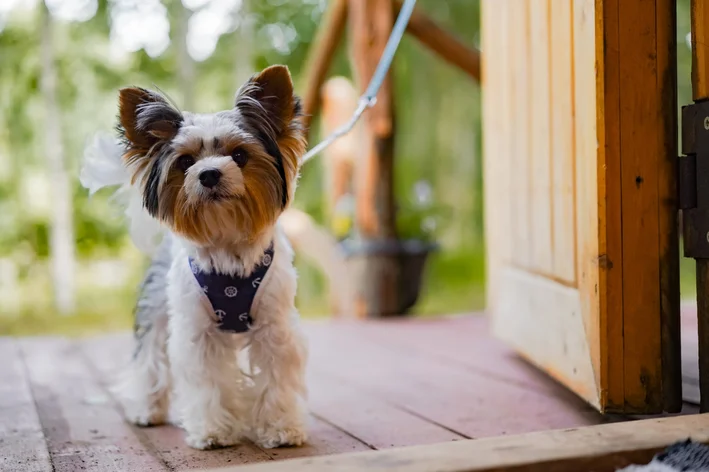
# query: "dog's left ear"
[[267, 100]]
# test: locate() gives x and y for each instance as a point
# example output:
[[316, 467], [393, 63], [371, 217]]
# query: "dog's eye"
[[240, 156], [184, 162]]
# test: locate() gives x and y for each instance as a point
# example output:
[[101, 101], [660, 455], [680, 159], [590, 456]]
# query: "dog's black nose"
[[210, 177]]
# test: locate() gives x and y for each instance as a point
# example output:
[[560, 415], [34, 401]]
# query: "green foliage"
[[438, 139]]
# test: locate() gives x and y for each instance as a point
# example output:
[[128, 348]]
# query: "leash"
[[369, 99]]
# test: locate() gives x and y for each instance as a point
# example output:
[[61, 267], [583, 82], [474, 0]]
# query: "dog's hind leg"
[[144, 388]]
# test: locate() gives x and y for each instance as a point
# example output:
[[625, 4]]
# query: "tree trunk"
[[244, 44], [62, 232], [377, 271], [185, 64]]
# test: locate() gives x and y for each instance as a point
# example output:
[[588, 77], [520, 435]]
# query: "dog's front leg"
[[208, 397], [279, 352]]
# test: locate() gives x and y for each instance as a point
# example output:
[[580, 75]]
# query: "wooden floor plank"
[[169, 441], [84, 431], [22, 444], [109, 353], [324, 440], [372, 385], [463, 340], [469, 403], [603, 448], [373, 421]]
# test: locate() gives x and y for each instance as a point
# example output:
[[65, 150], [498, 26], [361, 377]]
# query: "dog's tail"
[[103, 167]]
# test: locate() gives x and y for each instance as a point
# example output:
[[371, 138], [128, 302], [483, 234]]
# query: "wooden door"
[[580, 153]]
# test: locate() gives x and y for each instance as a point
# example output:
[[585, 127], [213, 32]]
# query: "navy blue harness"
[[231, 296]]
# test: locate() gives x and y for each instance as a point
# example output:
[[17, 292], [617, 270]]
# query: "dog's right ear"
[[146, 118]]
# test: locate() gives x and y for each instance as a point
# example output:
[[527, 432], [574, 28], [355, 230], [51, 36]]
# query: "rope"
[[369, 99]]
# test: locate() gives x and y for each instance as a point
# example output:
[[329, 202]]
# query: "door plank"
[[606, 321], [557, 344], [562, 142], [83, 429], [519, 159], [538, 123], [496, 107], [590, 183], [22, 444]]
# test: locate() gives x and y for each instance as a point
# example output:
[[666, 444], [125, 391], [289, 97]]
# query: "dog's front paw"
[[215, 440], [271, 437], [145, 415]]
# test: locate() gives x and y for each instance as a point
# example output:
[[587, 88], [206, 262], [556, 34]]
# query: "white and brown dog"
[[222, 280]]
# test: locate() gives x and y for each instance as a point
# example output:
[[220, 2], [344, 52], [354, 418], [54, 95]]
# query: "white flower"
[[230, 292]]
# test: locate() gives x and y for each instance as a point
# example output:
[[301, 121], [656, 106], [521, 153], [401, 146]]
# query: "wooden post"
[[339, 102], [326, 42], [700, 92], [438, 40], [377, 273], [666, 27]]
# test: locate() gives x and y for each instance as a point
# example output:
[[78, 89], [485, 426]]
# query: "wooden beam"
[[326, 42], [700, 92], [377, 275], [666, 33], [595, 448], [442, 42]]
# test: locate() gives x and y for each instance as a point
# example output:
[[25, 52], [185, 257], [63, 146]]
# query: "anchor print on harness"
[[232, 296]]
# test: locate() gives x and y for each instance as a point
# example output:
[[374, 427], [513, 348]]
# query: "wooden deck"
[[373, 385]]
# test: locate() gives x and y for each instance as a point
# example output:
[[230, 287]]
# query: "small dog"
[[221, 282]]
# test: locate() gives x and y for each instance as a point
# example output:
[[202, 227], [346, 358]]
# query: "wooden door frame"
[[637, 81]]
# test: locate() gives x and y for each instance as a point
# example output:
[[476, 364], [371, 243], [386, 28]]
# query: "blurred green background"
[[198, 52]]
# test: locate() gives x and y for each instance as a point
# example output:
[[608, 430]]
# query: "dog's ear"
[[267, 100], [146, 118]]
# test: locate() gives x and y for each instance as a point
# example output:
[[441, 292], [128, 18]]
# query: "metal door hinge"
[[693, 182]]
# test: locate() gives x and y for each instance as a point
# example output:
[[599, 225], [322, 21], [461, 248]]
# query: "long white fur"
[[103, 167], [187, 364]]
